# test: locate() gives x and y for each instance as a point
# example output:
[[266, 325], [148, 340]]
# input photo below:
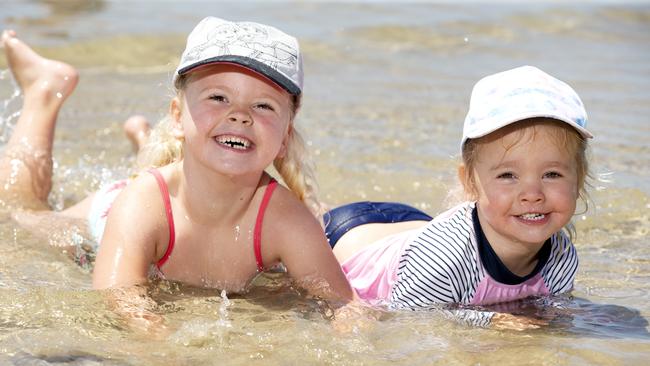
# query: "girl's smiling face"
[[233, 120], [525, 179]]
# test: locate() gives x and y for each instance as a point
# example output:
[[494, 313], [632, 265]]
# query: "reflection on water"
[[24, 359], [581, 317], [387, 86], [607, 321]]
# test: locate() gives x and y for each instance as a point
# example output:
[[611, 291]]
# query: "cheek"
[[276, 126], [566, 195], [493, 194], [201, 119]]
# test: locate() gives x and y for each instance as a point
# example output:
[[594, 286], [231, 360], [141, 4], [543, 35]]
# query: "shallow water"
[[387, 87]]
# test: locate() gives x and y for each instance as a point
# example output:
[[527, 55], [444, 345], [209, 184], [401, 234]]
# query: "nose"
[[239, 116], [532, 192]]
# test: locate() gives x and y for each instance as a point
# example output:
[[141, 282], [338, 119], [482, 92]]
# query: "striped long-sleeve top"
[[449, 261], [444, 264]]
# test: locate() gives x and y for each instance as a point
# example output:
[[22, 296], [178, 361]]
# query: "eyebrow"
[[502, 166], [211, 87], [508, 164], [228, 89]]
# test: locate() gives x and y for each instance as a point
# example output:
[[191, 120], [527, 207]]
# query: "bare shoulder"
[[139, 208], [288, 212], [131, 240], [142, 190], [288, 223]]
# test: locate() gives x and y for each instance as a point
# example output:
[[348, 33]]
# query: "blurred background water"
[[387, 87]]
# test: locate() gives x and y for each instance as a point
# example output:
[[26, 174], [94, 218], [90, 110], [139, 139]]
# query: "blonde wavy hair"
[[295, 168]]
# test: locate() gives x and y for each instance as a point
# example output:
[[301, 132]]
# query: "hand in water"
[[505, 321], [354, 317], [135, 306]]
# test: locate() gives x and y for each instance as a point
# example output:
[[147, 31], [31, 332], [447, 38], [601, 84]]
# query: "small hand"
[[148, 323], [135, 306], [505, 321], [353, 317]]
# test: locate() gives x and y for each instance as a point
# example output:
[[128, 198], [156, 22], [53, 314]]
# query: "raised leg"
[[137, 129], [26, 165]]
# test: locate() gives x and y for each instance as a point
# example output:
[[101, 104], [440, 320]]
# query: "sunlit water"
[[387, 87]]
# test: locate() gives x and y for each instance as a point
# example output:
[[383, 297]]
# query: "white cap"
[[518, 94], [261, 48]]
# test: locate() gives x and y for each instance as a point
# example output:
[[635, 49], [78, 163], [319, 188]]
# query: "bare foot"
[[26, 165], [36, 75], [137, 129]]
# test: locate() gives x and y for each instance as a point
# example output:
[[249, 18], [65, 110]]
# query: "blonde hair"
[[295, 168], [564, 135], [297, 172]]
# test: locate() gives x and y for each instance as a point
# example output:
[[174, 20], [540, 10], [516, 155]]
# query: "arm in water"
[[130, 242], [303, 249]]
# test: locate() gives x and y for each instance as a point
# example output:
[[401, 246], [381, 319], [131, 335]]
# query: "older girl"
[[206, 213]]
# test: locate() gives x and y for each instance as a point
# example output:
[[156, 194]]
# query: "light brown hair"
[[565, 136]]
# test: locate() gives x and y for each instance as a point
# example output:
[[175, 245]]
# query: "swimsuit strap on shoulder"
[[257, 234], [162, 185]]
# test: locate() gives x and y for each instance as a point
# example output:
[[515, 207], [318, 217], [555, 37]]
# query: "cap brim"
[[581, 130], [254, 65]]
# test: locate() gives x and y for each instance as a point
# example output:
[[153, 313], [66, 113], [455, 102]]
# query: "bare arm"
[[300, 244], [128, 246]]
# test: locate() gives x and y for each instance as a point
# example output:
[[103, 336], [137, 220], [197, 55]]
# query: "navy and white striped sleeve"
[[436, 268], [562, 265], [422, 280]]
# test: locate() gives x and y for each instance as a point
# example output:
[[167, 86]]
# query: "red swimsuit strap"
[[162, 185], [257, 234]]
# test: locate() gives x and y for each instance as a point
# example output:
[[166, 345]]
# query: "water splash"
[[201, 332], [75, 182], [223, 308], [13, 173], [7, 115]]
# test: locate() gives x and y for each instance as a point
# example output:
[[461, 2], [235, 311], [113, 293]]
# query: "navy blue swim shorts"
[[344, 218]]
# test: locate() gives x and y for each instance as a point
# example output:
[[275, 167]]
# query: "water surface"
[[387, 87]]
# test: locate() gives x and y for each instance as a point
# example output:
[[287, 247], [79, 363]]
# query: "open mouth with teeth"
[[532, 216], [233, 142]]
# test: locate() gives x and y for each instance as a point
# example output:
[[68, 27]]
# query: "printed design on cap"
[[251, 39]]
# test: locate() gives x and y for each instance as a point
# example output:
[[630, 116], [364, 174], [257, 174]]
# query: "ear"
[[285, 142], [465, 180], [176, 112]]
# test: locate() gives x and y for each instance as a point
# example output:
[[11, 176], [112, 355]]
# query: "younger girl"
[[524, 167], [206, 213]]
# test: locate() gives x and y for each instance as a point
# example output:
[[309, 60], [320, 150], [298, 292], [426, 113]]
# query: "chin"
[[534, 239]]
